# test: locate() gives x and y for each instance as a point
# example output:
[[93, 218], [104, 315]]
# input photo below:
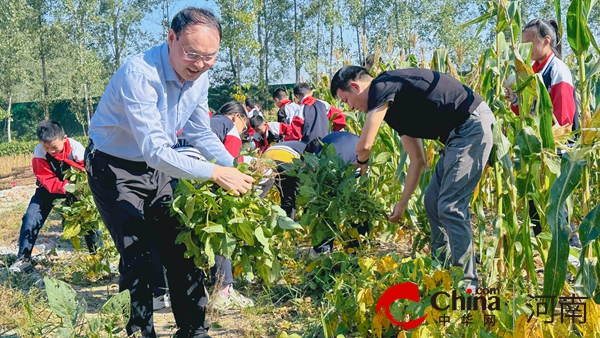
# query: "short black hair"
[[280, 94], [250, 103], [343, 77], [48, 131], [256, 121], [231, 108], [302, 89], [195, 16]]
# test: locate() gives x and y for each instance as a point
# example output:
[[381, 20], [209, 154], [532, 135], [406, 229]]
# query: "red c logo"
[[406, 290]]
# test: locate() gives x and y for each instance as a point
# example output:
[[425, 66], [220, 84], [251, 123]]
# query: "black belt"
[[135, 165]]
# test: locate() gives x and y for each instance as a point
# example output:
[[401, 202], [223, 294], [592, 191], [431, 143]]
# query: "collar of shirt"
[[308, 100], [284, 102], [537, 67]]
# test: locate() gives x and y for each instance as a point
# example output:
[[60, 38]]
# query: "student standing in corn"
[[132, 167], [425, 104]]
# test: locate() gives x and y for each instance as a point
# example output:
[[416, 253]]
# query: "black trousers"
[[134, 202]]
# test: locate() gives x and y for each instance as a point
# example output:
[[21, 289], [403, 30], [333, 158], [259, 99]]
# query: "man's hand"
[[398, 212], [361, 167], [232, 179]]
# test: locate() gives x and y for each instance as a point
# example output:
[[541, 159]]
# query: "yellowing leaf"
[[364, 299], [237, 271], [311, 266], [429, 283], [592, 324], [400, 235], [366, 263], [531, 329], [386, 264], [430, 154], [444, 277], [380, 322], [421, 332], [401, 334]]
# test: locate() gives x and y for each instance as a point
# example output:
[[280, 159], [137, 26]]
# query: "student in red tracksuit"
[[266, 133], [312, 117], [53, 156], [546, 52], [287, 108]]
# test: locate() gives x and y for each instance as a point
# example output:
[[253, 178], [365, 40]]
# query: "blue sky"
[[152, 22]]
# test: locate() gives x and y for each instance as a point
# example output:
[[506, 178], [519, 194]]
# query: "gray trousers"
[[451, 188]]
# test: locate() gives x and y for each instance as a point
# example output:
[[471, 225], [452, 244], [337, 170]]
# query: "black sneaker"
[[21, 265], [194, 333]]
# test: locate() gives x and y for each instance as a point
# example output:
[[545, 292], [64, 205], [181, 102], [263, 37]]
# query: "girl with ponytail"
[[546, 52]]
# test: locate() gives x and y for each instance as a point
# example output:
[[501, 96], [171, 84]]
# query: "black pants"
[[327, 243], [159, 285], [287, 186], [222, 272], [37, 212], [134, 202]]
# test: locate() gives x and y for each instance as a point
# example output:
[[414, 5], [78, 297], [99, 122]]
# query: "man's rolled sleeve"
[[139, 99]]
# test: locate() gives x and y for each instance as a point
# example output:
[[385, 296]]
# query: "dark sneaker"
[[197, 333], [21, 265]]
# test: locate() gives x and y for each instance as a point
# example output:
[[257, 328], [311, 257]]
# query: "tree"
[[121, 30], [15, 46], [82, 22], [238, 44]]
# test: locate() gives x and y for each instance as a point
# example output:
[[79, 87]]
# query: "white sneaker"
[[21, 265], [161, 302], [229, 298]]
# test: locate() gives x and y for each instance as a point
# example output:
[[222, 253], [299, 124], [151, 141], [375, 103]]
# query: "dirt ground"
[[13, 203]]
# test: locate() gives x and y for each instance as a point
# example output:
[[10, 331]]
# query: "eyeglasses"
[[195, 56]]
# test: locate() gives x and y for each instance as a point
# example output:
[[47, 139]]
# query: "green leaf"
[[382, 158], [213, 228], [578, 34], [61, 298], [185, 237], [528, 142], [71, 230], [189, 206], [117, 308], [210, 253], [589, 230], [260, 236], [500, 141], [287, 223], [553, 164], [586, 280], [243, 231], [544, 111], [228, 245], [555, 268]]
